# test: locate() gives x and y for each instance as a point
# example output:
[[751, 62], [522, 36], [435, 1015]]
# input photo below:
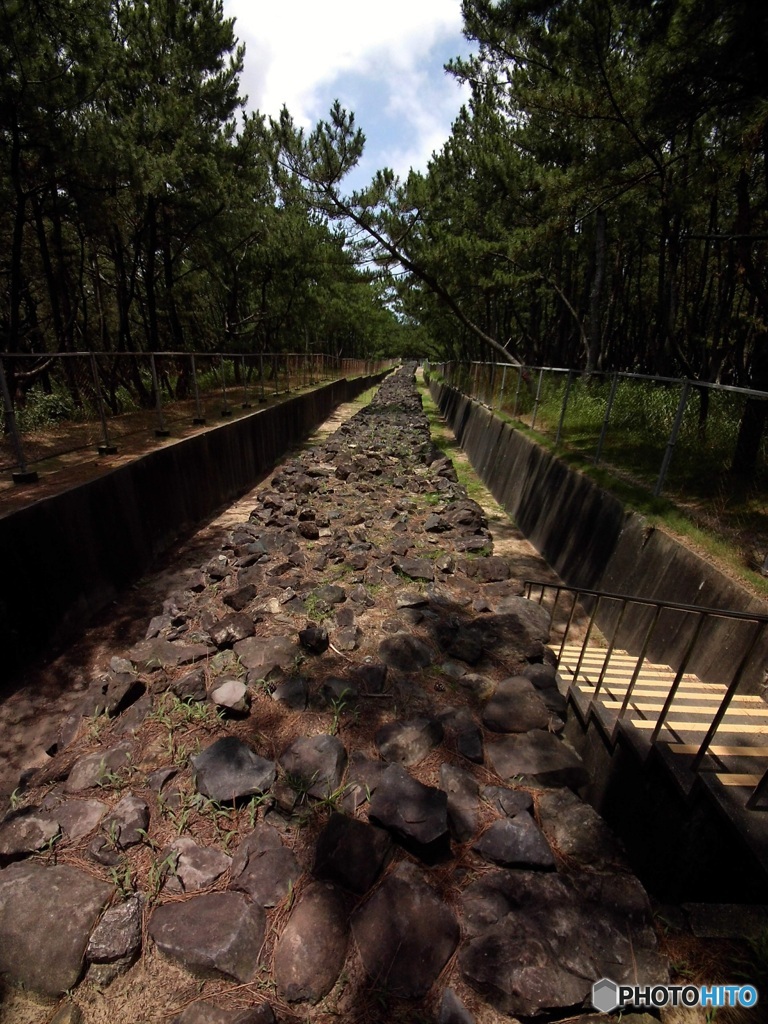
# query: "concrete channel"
[[689, 838], [67, 556]]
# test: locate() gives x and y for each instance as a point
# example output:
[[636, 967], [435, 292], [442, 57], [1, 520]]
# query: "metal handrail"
[[703, 616]]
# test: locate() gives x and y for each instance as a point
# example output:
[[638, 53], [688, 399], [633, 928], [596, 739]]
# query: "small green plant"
[[159, 870], [123, 879], [15, 799], [96, 725], [339, 705], [314, 608], [253, 808]]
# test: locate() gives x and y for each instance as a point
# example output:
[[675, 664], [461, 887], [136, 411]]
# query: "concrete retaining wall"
[[591, 541], [67, 556]]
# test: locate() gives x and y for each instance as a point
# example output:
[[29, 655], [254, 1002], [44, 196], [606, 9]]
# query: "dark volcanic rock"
[[539, 757], [229, 770], [405, 934], [453, 1011], [293, 692], [463, 801], [515, 843], [157, 653], [317, 762], [408, 742], [128, 821], [516, 706], [191, 686], [241, 597], [579, 833], [314, 639], [408, 808], [230, 629], [216, 933], [92, 769], [195, 867], [27, 831], [263, 656], [526, 959], [263, 867], [416, 568], [201, 1012], [311, 951], [351, 853], [46, 917], [115, 942], [405, 652], [510, 802]]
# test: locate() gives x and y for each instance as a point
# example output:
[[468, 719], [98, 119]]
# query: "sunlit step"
[[738, 780], [611, 679], [693, 709], [639, 691], [642, 723], [714, 698], [718, 750]]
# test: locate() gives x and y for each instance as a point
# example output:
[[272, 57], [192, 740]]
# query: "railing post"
[[246, 403], [728, 695], [606, 418], [672, 438], [225, 409], [161, 430], [520, 370], [198, 419], [537, 399], [503, 382], [106, 447], [678, 677], [262, 396], [23, 475], [564, 407]]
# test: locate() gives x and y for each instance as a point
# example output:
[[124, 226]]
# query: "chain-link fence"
[[55, 404], [679, 437]]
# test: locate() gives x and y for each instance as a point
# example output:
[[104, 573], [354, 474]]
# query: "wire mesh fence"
[[55, 404], [673, 436]]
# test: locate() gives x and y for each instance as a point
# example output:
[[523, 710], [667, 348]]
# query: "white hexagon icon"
[[605, 995]]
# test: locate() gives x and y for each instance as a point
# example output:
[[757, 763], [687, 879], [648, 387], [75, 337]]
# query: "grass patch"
[[663, 512]]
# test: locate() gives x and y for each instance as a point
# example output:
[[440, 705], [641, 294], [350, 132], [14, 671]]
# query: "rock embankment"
[[330, 783]]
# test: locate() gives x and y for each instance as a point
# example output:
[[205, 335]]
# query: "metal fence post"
[[564, 407], [198, 419], [537, 399], [606, 418], [106, 447], [246, 403], [503, 382], [262, 396], [23, 475], [161, 430], [672, 438], [520, 371], [225, 409]]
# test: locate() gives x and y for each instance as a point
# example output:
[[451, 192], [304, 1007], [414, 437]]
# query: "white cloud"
[[305, 53], [297, 46]]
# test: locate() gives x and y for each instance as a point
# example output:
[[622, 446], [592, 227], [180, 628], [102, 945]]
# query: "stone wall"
[[67, 556], [591, 541]]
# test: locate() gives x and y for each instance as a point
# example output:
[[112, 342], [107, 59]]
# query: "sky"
[[382, 61]]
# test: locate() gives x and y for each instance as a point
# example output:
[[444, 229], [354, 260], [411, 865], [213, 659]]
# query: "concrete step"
[[737, 760]]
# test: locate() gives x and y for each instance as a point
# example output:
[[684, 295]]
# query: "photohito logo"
[[607, 995]]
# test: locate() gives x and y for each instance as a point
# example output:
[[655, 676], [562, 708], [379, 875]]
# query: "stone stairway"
[[737, 760]]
